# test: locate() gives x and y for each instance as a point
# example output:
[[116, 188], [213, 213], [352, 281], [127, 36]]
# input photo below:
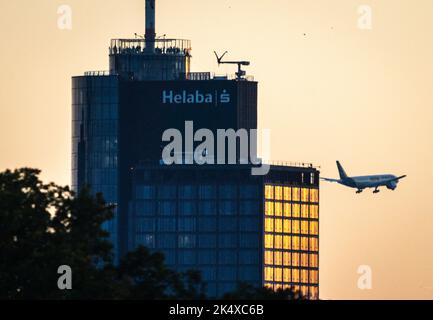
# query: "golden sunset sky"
[[327, 90]]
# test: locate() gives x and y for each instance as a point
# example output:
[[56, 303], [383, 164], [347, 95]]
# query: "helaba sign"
[[195, 97]]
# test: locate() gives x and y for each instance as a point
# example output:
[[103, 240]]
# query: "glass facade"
[[95, 140], [291, 238], [210, 227], [231, 226]]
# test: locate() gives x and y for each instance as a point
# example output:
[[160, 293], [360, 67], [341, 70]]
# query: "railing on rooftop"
[[161, 46], [97, 73], [200, 76], [291, 164]]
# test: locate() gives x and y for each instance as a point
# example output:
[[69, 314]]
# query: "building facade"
[[230, 225], [219, 219]]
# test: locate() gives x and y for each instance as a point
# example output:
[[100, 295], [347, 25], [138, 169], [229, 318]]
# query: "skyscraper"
[[119, 118]]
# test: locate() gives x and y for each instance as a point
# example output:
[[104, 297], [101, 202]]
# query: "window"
[[314, 244], [249, 240], [286, 242], [278, 258], [314, 260], [145, 208], [145, 225], [145, 192], [314, 195], [249, 224], [287, 193], [186, 257], [187, 224], [304, 227], [248, 257], [304, 243], [287, 226], [269, 274], [287, 259], [296, 243], [166, 224], [147, 240], [227, 257], [207, 208], [304, 276], [269, 208], [278, 209], [269, 225], [305, 195], [296, 226], [167, 241], [286, 275], [296, 210], [269, 257], [278, 193], [304, 211], [228, 240], [186, 241], [314, 227], [187, 192], [314, 292], [278, 276], [295, 259], [187, 207], [207, 192], [314, 276], [207, 224], [207, 241], [314, 211], [167, 192], [249, 207], [304, 259], [228, 192], [228, 207], [295, 276], [278, 242], [167, 208], [304, 290], [287, 210], [269, 192], [227, 224], [296, 194], [269, 241], [249, 192], [278, 225]]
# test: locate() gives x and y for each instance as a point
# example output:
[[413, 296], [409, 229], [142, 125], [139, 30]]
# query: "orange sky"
[[328, 91]]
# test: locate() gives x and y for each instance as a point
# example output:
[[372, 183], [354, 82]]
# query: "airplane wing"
[[330, 180]]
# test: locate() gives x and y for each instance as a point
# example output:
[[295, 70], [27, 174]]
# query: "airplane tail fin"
[[343, 174]]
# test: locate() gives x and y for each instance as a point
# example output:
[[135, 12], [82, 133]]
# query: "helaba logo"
[[195, 97]]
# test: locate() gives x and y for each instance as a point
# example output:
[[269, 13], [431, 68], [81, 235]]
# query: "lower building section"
[[291, 244], [230, 225]]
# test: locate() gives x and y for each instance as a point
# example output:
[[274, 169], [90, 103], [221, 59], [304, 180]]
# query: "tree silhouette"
[[45, 226]]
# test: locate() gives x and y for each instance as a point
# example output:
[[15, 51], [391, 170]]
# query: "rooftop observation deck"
[[179, 47], [191, 76]]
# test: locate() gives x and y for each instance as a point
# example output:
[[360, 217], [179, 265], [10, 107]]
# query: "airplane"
[[362, 182]]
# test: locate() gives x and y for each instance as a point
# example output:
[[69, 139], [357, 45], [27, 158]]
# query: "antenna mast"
[[241, 73], [150, 34]]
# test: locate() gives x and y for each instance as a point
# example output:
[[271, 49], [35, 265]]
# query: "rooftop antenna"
[[241, 73], [150, 26]]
